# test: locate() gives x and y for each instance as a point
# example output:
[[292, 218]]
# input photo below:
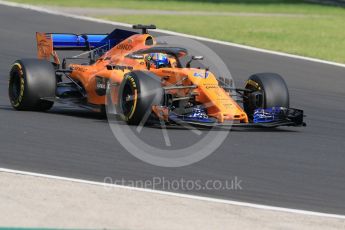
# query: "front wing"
[[292, 117]]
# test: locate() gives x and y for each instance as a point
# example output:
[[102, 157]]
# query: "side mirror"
[[194, 58]]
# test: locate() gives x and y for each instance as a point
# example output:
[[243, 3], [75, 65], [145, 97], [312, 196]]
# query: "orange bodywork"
[[45, 48], [218, 102]]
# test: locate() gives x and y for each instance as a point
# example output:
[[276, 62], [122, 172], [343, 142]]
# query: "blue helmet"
[[159, 60]]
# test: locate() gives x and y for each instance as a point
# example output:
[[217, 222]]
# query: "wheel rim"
[[128, 100], [15, 85]]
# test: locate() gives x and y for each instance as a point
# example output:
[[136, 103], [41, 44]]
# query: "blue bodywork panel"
[[197, 115], [89, 41], [269, 114]]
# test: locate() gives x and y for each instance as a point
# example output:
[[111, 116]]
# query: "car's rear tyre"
[[30, 80], [138, 92], [268, 90]]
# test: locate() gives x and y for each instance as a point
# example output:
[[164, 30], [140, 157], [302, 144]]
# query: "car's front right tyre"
[[268, 90]]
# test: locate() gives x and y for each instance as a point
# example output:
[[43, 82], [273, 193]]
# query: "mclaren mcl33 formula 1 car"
[[145, 81]]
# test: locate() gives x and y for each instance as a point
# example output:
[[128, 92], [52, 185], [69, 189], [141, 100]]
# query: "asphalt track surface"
[[302, 168]]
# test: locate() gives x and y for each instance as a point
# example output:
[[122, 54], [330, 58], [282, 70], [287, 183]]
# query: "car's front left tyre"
[[139, 91]]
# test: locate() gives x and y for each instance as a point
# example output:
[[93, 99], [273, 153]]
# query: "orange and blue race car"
[[145, 82]]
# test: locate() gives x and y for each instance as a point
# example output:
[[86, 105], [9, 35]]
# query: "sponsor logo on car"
[[201, 75]]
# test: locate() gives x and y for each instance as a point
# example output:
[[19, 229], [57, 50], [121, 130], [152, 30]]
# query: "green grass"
[[268, 6], [313, 37], [319, 33]]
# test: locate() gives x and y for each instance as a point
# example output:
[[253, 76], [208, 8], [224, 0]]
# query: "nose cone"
[[217, 101]]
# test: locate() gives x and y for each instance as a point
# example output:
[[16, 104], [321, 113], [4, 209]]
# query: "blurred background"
[[313, 28]]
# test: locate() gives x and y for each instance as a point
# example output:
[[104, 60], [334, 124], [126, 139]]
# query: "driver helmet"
[[159, 60]]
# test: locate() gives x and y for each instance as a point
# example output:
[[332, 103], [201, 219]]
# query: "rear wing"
[[49, 43]]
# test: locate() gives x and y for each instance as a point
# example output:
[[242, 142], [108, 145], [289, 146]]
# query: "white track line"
[[55, 12], [245, 204], [201, 198]]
